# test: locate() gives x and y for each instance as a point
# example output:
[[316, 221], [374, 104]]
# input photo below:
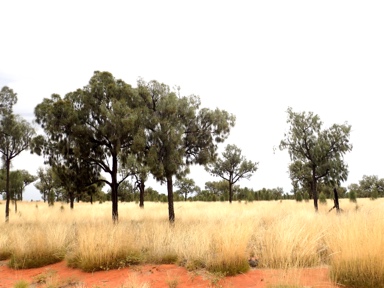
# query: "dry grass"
[[219, 237]]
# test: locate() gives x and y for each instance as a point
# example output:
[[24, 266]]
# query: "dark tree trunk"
[[335, 201], [71, 200], [91, 198], [230, 192], [171, 211], [15, 206], [8, 195], [141, 189], [185, 196], [314, 190], [114, 187]]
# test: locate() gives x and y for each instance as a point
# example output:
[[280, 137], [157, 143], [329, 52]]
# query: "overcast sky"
[[251, 58]]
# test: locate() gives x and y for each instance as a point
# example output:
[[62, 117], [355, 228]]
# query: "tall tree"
[[179, 133], [232, 167], [317, 151], [16, 135], [102, 120]]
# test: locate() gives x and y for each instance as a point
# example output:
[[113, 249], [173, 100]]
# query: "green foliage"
[[179, 133], [322, 198], [316, 153], [232, 167], [299, 197], [186, 186], [34, 259], [352, 196]]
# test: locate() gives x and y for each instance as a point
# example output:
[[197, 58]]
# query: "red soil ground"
[[159, 276]]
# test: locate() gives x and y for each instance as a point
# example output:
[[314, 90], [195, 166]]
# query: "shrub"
[[322, 198], [352, 196]]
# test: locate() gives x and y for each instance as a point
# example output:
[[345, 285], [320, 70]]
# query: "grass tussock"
[[219, 237], [357, 246], [99, 246], [33, 246]]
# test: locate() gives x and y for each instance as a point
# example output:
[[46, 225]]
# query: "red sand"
[[159, 276]]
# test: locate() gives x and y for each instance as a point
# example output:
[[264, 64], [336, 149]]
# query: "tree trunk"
[[185, 196], [91, 198], [314, 190], [141, 189], [230, 192], [171, 211], [71, 200], [114, 187], [8, 196], [336, 200], [15, 206]]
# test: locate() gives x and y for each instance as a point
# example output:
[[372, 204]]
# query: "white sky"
[[251, 58]]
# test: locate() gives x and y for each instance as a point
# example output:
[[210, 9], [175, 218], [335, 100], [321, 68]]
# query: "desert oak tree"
[[95, 125], [316, 153], [179, 133], [232, 167]]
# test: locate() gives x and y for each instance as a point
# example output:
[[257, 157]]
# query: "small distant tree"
[[232, 167], [186, 186], [47, 184]]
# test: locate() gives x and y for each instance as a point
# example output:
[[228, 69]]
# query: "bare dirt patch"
[[159, 276]]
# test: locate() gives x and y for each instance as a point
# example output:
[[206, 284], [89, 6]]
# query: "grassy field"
[[219, 237]]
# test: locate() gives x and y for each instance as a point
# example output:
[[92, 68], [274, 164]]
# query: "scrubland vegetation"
[[219, 237]]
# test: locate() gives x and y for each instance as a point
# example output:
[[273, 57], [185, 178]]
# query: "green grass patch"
[[34, 259], [229, 267]]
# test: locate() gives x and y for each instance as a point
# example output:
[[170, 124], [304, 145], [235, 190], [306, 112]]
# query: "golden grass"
[[219, 237]]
